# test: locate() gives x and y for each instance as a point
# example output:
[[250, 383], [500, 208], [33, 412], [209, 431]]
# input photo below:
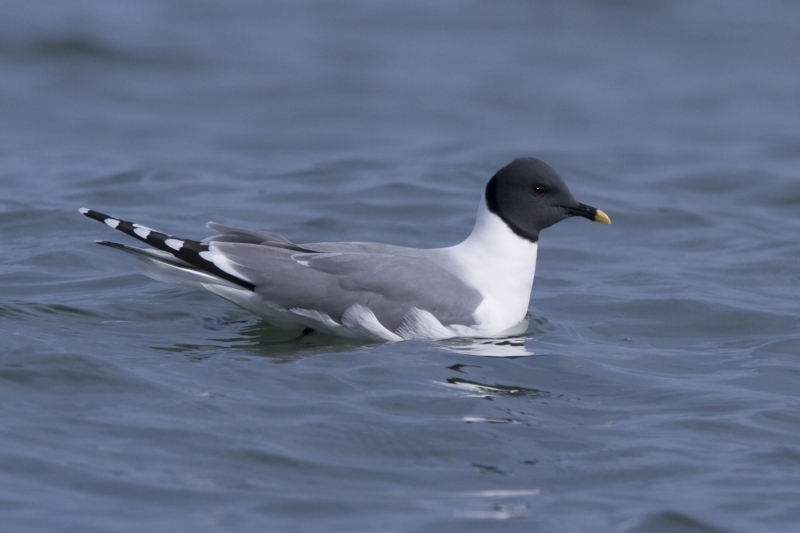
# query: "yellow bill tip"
[[600, 216]]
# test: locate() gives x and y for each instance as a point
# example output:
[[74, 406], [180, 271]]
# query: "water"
[[663, 394]]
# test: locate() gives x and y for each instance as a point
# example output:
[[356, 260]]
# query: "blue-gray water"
[[664, 394]]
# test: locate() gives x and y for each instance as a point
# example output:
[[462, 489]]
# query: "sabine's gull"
[[478, 288]]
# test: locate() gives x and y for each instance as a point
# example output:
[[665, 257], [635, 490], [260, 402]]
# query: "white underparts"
[[501, 266], [358, 321]]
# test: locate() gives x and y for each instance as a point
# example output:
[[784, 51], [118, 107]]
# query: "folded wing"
[[329, 280]]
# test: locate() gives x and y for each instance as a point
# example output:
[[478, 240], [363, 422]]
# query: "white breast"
[[501, 266]]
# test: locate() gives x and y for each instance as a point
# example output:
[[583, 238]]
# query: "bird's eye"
[[539, 190]]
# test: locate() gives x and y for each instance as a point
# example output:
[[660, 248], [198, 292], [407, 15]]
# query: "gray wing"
[[266, 238], [390, 284], [327, 277]]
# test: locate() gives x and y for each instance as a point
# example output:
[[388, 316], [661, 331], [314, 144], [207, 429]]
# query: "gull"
[[480, 287]]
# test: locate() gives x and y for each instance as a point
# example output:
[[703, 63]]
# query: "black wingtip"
[[184, 249], [94, 215], [110, 244]]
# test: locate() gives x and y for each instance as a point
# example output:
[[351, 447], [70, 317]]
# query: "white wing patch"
[[361, 320], [142, 231], [175, 244], [161, 271], [111, 222], [222, 262], [420, 324]]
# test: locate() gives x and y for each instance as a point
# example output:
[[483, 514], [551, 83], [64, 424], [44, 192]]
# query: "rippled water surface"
[[655, 390]]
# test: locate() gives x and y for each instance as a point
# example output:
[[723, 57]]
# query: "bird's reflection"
[[495, 390], [511, 344], [260, 338], [514, 347]]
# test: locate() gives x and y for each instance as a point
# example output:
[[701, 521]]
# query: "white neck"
[[500, 265]]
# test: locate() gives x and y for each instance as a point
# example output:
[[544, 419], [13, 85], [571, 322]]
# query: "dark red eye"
[[539, 190]]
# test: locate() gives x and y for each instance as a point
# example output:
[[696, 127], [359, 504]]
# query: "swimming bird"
[[478, 288]]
